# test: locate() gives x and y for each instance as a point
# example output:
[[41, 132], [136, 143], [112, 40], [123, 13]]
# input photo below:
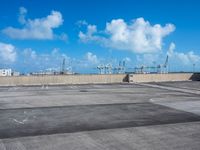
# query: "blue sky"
[[37, 35]]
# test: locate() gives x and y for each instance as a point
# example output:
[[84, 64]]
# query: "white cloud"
[[28, 52], [91, 58], [127, 59], [178, 61], [7, 53], [63, 37], [150, 59], [182, 58], [32, 60], [172, 47], [42, 61], [22, 15], [138, 36], [39, 28], [89, 35], [81, 23]]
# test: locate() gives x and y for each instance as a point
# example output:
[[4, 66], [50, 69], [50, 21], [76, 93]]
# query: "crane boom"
[[166, 61]]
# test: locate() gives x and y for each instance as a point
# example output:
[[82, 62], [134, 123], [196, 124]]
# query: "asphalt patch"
[[66, 119]]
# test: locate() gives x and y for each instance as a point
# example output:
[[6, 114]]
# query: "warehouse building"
[[5, 72]]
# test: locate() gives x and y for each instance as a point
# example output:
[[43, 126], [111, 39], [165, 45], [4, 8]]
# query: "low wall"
[[62, 79], [92, 79], [163, 77]]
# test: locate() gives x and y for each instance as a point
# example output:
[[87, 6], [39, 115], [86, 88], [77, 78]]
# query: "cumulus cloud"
[[150, 59], [31, 60], [7, 53], [90, 35], [42, 61], [29, 53], [187, 58], [22, 15], [39, 28], [91, 58], [172, 47], [138, 36], [81, 23]]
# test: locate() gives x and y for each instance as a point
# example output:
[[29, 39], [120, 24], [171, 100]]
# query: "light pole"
[[193, 68]]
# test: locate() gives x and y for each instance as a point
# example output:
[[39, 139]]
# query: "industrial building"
[[8, 72], [5, 72]]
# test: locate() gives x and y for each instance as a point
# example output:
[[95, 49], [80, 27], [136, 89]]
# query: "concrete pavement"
[[111, 117]]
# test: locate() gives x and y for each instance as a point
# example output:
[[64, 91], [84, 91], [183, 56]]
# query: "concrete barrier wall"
[[62, 79], [161, 77], [92, 79]]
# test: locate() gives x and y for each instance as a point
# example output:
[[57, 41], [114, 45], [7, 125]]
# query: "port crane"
[[161, 68]]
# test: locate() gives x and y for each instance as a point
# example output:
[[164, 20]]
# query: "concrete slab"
[[27, 122], [33, 97], [103, 117], [188, 106], [181, 136], [183, 85]]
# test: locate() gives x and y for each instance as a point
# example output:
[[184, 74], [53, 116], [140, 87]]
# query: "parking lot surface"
[[138, 116]]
